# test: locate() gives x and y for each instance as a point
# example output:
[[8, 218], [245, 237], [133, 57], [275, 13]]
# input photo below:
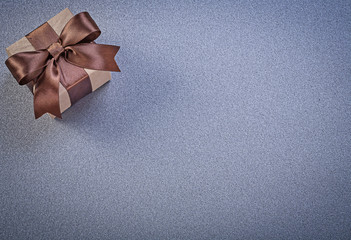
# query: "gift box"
[[70, 66]]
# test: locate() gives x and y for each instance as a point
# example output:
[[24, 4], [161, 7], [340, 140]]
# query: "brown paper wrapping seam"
[[97, 78]]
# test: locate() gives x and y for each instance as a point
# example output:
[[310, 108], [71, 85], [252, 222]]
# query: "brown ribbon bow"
[[75, 46]]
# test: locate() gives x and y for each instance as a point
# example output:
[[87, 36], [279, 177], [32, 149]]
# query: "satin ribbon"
[[75, 46]]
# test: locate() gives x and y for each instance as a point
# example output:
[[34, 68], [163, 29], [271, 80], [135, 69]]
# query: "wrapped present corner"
[[60, 62]]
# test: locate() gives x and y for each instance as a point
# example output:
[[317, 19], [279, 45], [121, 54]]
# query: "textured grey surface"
[[229, 120]]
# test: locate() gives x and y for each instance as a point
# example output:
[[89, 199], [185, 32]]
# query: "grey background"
[[229, 120]]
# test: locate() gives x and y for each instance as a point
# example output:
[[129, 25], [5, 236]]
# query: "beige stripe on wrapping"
[[97, 78], [59, 21]]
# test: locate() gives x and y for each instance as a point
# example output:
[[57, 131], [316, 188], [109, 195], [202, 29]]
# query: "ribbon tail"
[[93, 56], [46, 92]]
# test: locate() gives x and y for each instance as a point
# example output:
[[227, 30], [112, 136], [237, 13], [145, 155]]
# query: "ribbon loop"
[[80, 28], [27, 66]]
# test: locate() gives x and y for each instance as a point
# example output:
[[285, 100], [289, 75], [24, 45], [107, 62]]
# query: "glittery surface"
[[229, 120]]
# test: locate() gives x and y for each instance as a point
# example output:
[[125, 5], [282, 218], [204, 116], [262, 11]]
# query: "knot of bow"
[[75, 45]]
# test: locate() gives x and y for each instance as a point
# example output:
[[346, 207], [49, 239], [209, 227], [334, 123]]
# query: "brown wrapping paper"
[[67, 94]]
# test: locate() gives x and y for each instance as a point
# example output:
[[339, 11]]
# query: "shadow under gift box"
[[76, 82]]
